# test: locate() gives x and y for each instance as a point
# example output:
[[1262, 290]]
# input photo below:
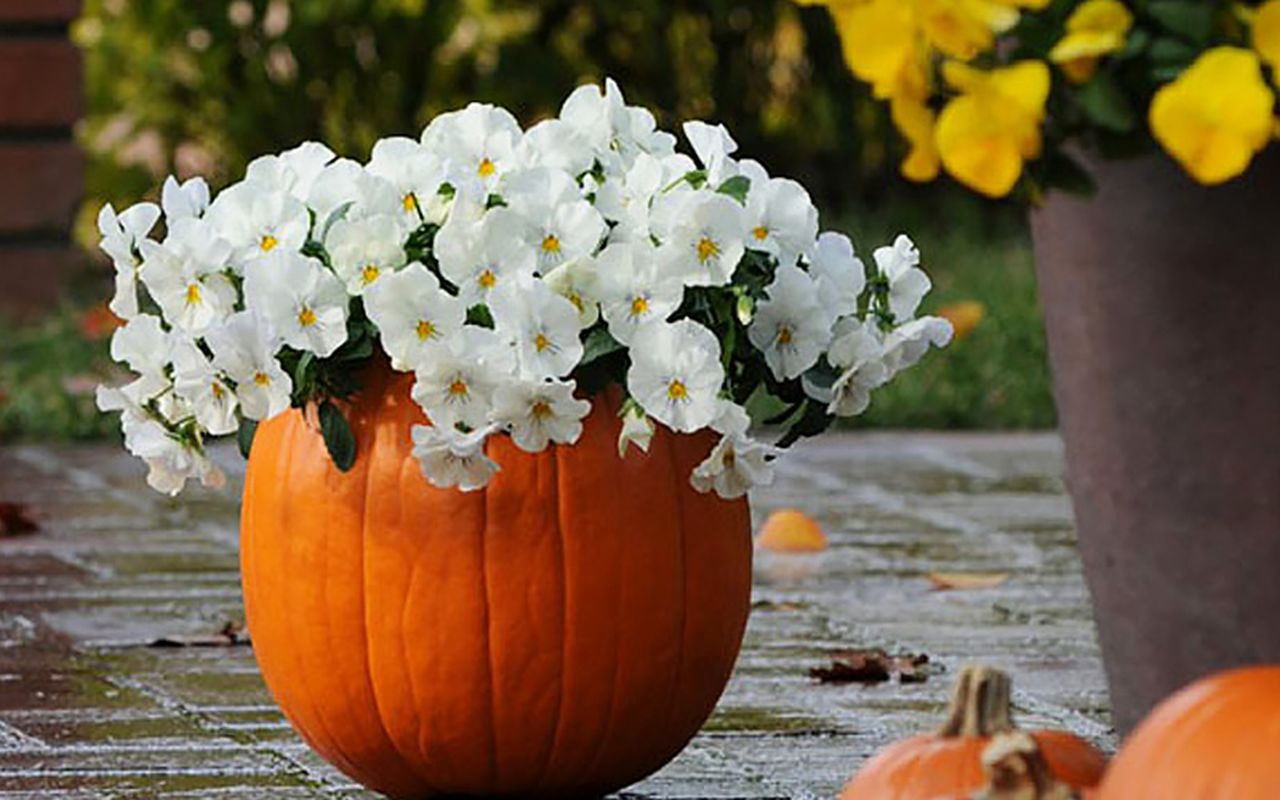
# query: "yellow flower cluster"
[[1212, 119]]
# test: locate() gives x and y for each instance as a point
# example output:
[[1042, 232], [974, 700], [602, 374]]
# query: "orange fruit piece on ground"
[[791, 531]]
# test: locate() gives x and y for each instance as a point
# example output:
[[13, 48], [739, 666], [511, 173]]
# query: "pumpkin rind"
[[1217, 739], [561, 633], [949, 762]]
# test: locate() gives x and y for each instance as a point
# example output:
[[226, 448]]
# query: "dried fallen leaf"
[[872, 666], [944, 581], [785, 605], [231, 635], [15, 520], [791, 531]]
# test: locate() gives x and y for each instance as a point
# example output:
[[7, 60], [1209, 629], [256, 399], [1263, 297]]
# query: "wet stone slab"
[[87, 710]]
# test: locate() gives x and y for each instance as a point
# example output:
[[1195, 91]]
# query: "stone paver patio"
[[88, 710]]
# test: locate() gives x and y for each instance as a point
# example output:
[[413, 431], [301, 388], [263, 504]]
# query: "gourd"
[[1217, 739], [562, 633], [949, 762]]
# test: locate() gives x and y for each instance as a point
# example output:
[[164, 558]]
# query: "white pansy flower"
[[908, 284], [781, 219], [121, 235], [637, 429], [839, 273], [539, 412], [857, 351], [244, 348], [790, 327], [578, 281], [541, 327], [455, 386], [479, 142], [170, 462], [730, 418], [300, 299], [365, 249], [184, 200], [560, 224], [906, 344], [144, 345], [634, 288], [257, 219], [616, 133], [705, 243], [293, 171], [197, 381], [185, 275], [451, 458], [346, 190], [417, 175], [676, 373], [736, 464], [713, 145], [415, 317], [626, 201], [479, 257], [553, 143]]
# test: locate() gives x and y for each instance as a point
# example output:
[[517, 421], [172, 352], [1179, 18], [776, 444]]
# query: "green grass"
[[48, 370], [996, 377]]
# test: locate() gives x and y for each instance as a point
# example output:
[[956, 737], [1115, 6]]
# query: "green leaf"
[[599, 344], [1106, 104], [338, 438], [1191, 19], [1063, 172], [736, 187], [479, 314], [1169, 52], [244, 436]]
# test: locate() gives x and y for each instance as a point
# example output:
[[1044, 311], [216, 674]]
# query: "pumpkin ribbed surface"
[[561, 633], [1217, 739]]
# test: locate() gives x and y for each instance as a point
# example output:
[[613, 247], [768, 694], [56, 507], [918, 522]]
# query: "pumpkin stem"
[[1016, 770], [980, 704]]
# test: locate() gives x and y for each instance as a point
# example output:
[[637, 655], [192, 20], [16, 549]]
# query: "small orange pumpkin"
[[562, 633], [1015, 769], [1217, 739], [949, 762]]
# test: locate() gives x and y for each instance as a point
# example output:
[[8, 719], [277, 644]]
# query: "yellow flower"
[[1094, 29], [1266, 33], [959, 28], [986, 133], [882, 46], [916, 121], [1216, 115]]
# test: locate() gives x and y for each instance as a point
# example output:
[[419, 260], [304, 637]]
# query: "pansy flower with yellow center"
[[634, 289], [244, 350], [781, 218], [676, 373], [478, 257], [196, 381], [1217, 115], [184, 275], [301, 299], [539, 413], [790, 327], [453, 458], [541, 326], [365, 250], [455, 385], [986, 133], [1094, 29], [707, 238], [414, 315]]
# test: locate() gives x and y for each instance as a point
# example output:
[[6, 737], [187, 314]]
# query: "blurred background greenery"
[[203, 87]]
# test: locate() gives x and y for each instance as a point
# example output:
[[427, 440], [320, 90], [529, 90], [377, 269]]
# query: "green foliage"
[[205, 87], [48, 371]]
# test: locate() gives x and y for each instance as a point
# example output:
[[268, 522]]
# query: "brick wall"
[[41, 171]]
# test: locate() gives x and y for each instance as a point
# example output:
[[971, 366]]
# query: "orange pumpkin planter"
[[949, 763], [562, 633], [1217, 739]]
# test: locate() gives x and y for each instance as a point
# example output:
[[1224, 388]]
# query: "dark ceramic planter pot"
[[1161, 301]]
